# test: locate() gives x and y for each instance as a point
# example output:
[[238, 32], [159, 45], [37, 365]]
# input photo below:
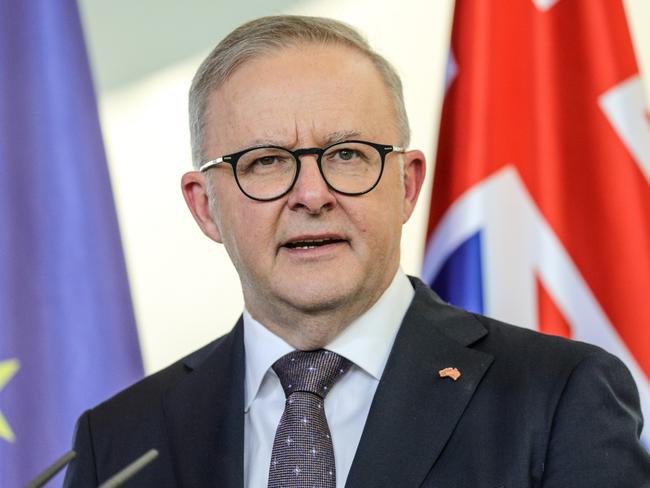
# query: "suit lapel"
[[204, 415], [414, 410]]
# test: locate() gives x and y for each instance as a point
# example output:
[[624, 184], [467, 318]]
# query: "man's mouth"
[[312, 243]]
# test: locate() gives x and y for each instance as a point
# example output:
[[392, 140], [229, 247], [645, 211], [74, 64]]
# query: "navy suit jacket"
[[528, 410]]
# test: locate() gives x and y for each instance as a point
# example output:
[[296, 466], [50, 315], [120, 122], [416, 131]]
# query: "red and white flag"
[[540, 211]]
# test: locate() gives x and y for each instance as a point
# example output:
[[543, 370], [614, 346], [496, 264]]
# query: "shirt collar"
[[366, 342], [262, 348]]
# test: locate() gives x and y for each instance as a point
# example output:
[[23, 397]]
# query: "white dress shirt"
[[366, 342]]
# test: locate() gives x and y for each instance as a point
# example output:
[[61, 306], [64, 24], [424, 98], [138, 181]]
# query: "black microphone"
[[125, 474], [51, 470]]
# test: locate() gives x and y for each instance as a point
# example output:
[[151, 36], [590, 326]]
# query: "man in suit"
[[299, 135]]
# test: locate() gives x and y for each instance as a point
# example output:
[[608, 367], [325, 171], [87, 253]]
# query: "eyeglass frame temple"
[[212, 163]]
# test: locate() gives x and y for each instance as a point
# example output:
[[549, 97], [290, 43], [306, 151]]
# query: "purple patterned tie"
[[303, 456]]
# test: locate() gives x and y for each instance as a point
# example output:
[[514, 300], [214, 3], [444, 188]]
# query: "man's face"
[[308, 96]]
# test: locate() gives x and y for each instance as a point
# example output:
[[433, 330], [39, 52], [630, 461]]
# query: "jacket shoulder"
[[519, 345], [510, 345], [120, 429], [145, 396]]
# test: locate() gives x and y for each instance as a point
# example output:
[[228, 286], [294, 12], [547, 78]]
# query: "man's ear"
[[195, 193], [414, 173]]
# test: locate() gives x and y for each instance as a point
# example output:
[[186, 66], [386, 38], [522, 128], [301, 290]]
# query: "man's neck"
[[310, 329]]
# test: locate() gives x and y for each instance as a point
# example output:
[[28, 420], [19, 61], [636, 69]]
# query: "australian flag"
[[540, 211]]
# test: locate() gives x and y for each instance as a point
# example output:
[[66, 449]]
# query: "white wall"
[[185, 290]]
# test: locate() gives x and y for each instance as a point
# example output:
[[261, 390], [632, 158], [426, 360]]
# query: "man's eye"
[[346, 155], [267, 160], [264, 163]]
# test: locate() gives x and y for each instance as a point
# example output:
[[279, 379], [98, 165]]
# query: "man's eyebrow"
[[263, 142], [331, 138], [340, 136]]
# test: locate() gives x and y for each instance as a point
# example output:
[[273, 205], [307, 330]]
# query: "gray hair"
[[267, 35]]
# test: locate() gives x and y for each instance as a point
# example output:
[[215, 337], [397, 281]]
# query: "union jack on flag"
[[540, 211]]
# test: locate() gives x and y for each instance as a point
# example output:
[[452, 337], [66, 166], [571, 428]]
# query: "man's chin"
[[316, 304]]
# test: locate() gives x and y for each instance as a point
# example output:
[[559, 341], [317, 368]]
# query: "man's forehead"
[[304, 59], [324, 94]]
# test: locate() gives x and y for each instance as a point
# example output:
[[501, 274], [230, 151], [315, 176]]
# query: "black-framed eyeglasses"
[[269, 172]]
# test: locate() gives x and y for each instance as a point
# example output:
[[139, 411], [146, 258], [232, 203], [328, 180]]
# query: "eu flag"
[[67, 330]]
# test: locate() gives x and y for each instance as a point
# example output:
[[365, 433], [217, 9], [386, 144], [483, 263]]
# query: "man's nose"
[[311, 192]]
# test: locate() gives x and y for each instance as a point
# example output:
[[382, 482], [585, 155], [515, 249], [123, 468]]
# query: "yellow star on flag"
[[8, 369]]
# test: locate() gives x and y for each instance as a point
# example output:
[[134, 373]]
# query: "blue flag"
[[67, 331]]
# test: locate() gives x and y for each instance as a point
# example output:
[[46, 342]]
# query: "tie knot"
[[311, 371]]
